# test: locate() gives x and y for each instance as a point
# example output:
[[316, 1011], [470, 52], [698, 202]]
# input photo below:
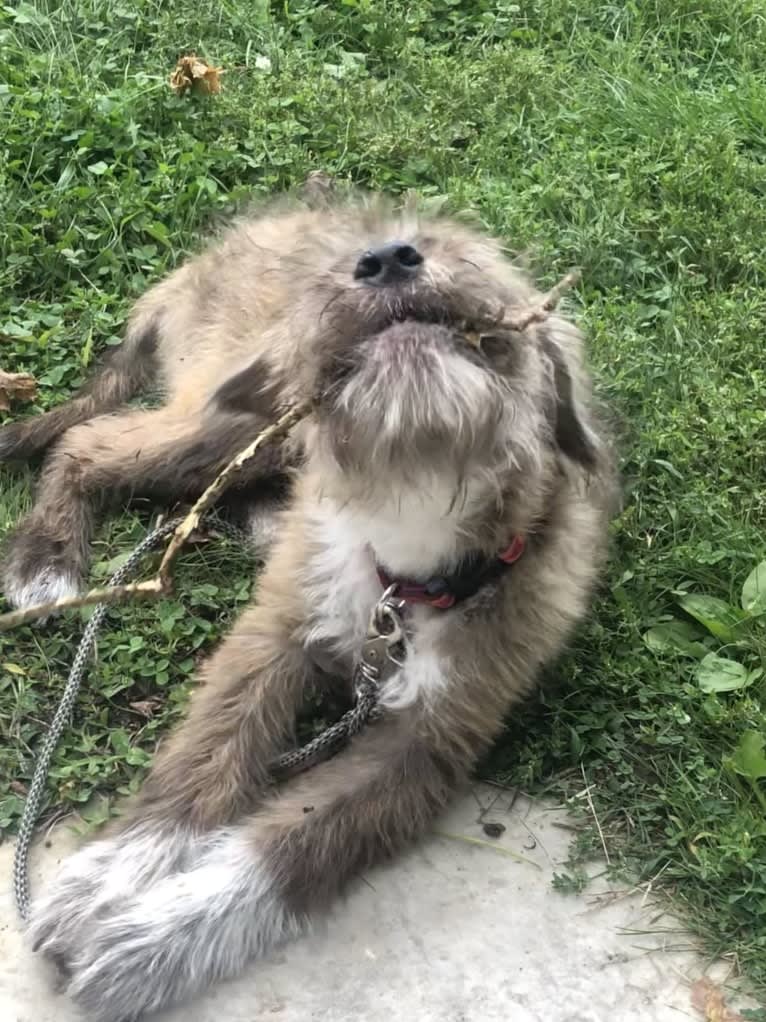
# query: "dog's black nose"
[[392, 263]]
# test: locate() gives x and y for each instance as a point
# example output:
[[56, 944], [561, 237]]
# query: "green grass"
[[627, 138]]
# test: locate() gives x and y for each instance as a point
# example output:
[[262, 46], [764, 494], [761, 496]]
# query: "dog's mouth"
[[405, 354], [407, 305], [410, 391], [466, 317], [406, 330], [422, 328], [415, 314]]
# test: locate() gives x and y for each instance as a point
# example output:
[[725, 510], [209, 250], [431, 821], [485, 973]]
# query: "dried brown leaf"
[[16, 387], [191, 73], [146, 707], [708, 999]]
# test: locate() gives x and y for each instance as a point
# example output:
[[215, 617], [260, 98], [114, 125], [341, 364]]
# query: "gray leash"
[[381, 650], [60, 720], [384, 640]]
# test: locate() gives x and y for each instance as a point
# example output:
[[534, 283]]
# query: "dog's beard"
[[409, 401]]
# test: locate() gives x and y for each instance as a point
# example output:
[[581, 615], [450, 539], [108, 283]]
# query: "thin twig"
[[540, 312], [162, 584], [488, 320], [222, 481], [595, 817], [109, 594]]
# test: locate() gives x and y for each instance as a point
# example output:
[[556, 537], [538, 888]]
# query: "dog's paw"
[[156, 950], [59, 914], [38, 569], [45, 586], [120, 975], [94, 882], [199, 924], [14, 441]]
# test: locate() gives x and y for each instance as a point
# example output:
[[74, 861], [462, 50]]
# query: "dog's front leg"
[[210, 774], [359, 809], [259, 882]]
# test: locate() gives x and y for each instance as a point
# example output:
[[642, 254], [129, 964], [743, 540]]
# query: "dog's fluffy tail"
[[125, 372]]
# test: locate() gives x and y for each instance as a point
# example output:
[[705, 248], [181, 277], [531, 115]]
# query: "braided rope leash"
[[326, 744], [61, 718], [380, 655], [331, 739]]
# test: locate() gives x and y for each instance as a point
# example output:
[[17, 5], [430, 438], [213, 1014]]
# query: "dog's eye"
[[493, 347]]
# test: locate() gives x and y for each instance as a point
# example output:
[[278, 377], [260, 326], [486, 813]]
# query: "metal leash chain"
[[380, 654], [330, 740], [384, 641]]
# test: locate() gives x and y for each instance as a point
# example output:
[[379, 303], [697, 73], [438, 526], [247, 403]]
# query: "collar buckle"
[[384, 647]]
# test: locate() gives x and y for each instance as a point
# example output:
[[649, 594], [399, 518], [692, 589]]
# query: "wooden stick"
[[490, 319], [539, 313], [108, 594], [162, 584], [222, 481]]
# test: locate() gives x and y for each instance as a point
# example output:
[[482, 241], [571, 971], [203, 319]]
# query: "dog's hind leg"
[[126, 371], [161, 454]]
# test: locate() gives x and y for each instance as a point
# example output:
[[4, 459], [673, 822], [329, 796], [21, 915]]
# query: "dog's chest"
[[341, 587], [341, 582]]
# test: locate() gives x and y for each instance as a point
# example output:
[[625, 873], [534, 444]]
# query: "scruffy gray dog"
[[459, 462]]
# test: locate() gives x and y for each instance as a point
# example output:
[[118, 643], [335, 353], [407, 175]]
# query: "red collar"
[[444, 591]]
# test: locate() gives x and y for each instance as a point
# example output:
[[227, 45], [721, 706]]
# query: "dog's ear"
[[251, 391], [573, 437]]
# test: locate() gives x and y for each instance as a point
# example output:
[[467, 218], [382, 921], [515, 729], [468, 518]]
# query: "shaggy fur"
[[422, 448]]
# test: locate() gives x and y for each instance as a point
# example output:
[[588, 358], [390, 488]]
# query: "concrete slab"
[[454, 932]]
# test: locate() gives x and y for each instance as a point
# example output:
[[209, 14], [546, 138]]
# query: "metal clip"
[[385, 642]]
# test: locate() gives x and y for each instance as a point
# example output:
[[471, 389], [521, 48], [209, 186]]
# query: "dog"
[[454, 455]]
